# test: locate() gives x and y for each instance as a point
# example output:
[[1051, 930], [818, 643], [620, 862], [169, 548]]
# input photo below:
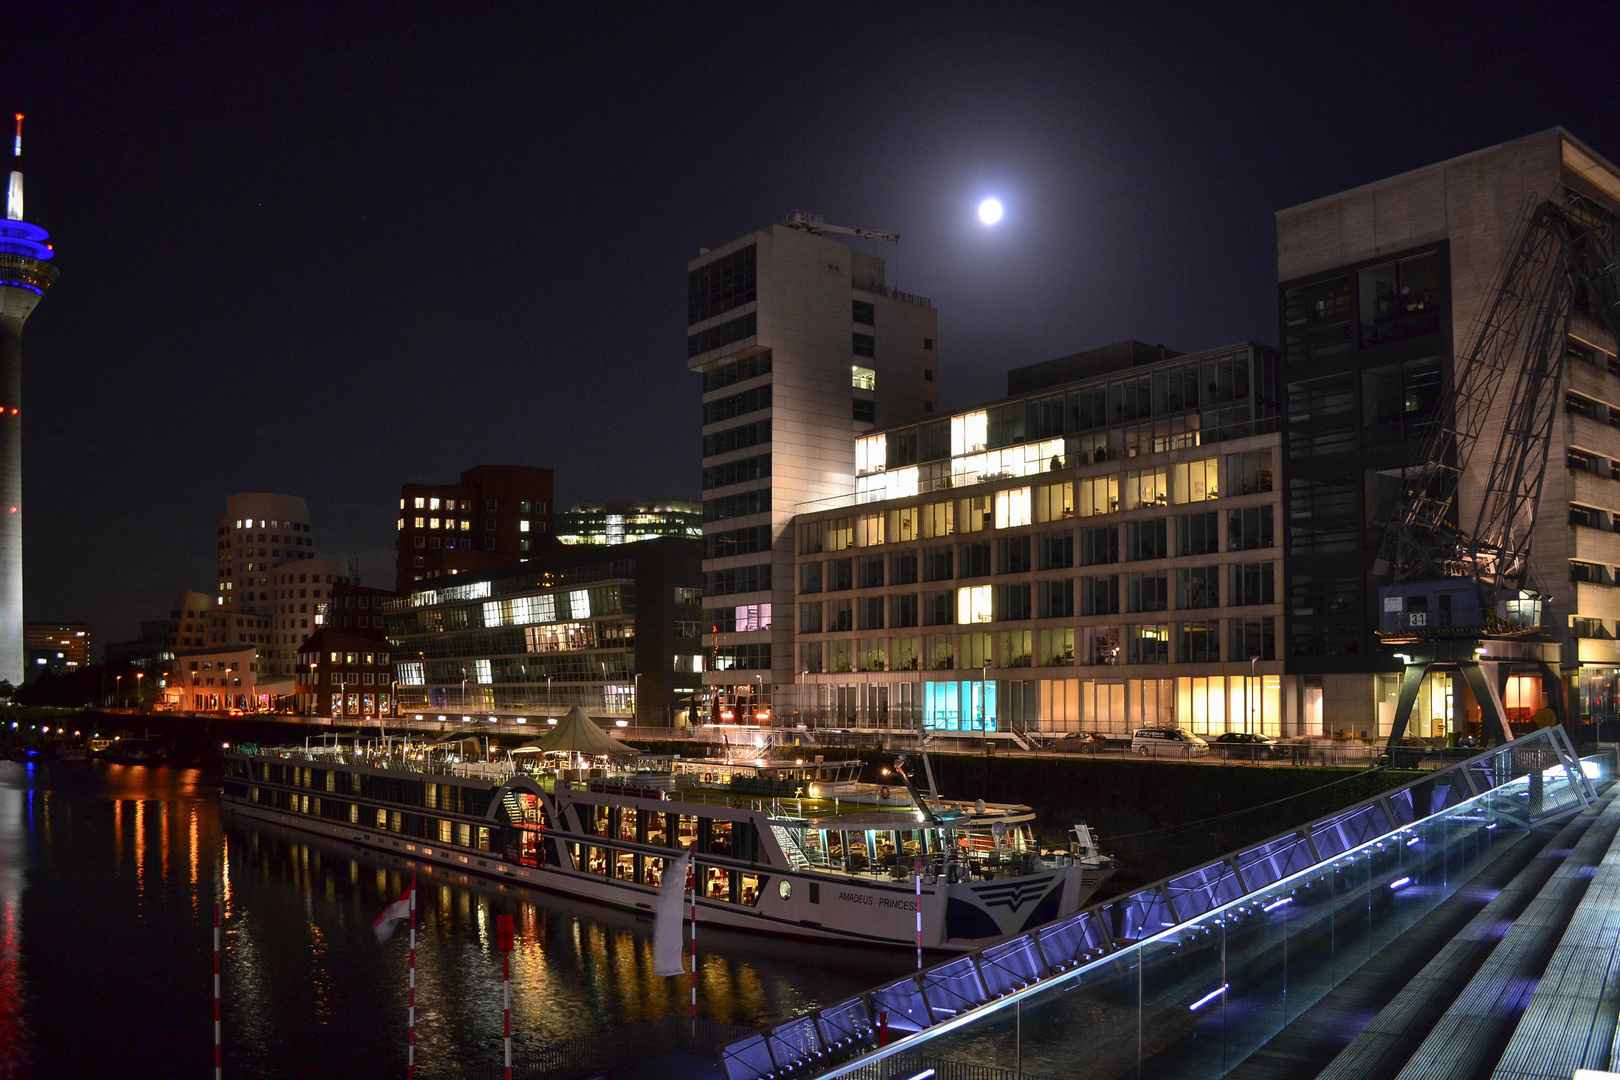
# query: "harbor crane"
[[1463, 599]]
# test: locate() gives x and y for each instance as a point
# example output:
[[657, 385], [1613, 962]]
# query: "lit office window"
[[973, 604]]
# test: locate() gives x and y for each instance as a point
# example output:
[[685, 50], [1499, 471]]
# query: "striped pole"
[[503, 937], [217, 1062], [694, 947], [919, 913], [410, 1035]]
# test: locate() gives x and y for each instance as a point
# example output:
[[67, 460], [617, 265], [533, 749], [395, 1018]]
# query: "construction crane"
[[816, 224], [1462, 599]]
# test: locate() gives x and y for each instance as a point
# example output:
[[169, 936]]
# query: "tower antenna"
[[14, 193]]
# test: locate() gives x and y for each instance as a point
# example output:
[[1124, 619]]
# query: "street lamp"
[[984, 703], [550, 712], [1254, 683], [118, 689], [139, 675]]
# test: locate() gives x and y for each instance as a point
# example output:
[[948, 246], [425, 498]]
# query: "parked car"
[[1077, 742], [1167, 742], [1243, 744]]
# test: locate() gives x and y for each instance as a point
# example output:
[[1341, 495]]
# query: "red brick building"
[[347, 676], [495, 516]]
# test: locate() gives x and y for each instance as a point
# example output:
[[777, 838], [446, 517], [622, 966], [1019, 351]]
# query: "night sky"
[[323, 250]]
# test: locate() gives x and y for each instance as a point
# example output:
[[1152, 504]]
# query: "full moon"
[[990, 211]]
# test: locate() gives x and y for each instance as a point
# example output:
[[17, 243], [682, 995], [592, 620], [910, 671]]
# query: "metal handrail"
[[832, 1041]]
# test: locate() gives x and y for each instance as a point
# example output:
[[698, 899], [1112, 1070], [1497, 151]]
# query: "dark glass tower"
[[25, 274]]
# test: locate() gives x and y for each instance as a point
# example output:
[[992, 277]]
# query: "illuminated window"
[[1099, 495], [1012, 508], [938, 519], [1054, 502], [523, 526], [969, 433], [977, 514], [862, 378], [973, 604], [871, 454], [838, 534], [1195, 482], [869, 530], [433, 504], [433, 523], [1146, 487], [450, 523], [465, 525]]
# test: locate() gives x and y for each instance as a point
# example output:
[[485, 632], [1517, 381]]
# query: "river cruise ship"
[[797, 849]]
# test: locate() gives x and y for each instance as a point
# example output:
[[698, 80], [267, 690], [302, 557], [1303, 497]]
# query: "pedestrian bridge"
[[1199, 974]]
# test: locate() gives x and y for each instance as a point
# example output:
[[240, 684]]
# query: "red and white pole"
[[218, 1067], [694, 947], [919, 912], [410, 1016], [503, 937]]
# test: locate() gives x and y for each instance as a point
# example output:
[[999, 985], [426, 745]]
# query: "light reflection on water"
[[108, 878]]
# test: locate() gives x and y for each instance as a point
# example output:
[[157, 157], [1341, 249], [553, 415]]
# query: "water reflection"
[[100, 917]]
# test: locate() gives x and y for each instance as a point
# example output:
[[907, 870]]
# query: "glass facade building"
[[628, 522], [616, 634], [1094, 555]]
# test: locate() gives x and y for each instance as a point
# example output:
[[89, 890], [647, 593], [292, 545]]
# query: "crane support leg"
[[1411, 680], [1489, 699]]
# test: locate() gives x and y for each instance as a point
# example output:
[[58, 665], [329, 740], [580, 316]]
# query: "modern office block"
[[615, 630], [628, 522], [1097, 553], [802, 346]]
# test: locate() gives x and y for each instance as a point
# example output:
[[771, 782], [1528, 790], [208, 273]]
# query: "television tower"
[[25, 274]]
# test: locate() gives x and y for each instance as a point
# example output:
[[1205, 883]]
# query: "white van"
[[1167, 742]]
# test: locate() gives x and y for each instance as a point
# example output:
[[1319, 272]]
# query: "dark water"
[[108, 878]]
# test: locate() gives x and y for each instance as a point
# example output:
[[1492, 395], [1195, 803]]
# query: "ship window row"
[[1199, 641], [718, 883]]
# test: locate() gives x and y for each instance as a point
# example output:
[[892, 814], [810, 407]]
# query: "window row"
[[1191, 588], [1203, 642]]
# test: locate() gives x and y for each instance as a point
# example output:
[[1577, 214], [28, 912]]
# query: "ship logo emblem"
[[1012, 895]]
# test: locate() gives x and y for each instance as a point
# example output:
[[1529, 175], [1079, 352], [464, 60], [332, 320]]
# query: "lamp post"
[[139, 675], [118, 690], [549, 711], [1254, 684], [635, 700], [984, 705]]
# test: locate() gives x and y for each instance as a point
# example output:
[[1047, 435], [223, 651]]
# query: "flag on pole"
[[392, 915], [667, 918]]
